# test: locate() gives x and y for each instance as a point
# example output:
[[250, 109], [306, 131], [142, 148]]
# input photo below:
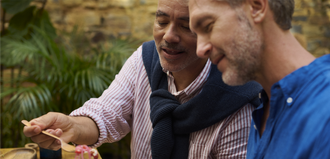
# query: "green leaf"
[[18, 24], [43, 22], [15, 52], [15, 6]]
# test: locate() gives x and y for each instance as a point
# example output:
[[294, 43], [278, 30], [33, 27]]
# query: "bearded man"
[[250, 40]]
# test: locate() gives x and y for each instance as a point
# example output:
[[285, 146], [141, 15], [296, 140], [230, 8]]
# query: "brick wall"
[[105, 18], [101, 19], [311, 25]]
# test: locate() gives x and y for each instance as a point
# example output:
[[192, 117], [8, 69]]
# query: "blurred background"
[[56, 54]]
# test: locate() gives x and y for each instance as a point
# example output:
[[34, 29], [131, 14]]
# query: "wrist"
[[76, 132], [85, 130]]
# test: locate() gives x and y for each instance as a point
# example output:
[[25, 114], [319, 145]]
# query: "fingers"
[[45, 121], [30, 131], [57, 124], [56, 145], [50, 121], [48, 142], [39, 124]]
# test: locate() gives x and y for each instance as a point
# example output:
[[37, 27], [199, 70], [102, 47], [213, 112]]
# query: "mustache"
[[172, 46]]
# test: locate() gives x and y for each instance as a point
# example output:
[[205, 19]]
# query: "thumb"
[[45, 121]]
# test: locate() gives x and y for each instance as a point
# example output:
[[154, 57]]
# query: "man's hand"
[[81, 130], [55, 123]]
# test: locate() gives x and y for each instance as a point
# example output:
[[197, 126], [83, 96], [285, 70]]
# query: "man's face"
[[226, 36], [176, 44]]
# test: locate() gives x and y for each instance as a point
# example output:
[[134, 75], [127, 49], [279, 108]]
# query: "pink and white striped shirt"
[[124, 107]]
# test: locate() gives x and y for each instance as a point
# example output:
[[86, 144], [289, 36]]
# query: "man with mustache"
[[251, 40], [170, 100]]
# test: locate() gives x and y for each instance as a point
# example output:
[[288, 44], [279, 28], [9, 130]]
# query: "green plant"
[[54, 79], [52, 72], [20, 27]]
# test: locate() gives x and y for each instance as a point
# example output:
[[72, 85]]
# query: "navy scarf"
[[172, 121]]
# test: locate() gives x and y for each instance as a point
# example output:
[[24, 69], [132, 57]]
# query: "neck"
[[282, 55], [186, 76]]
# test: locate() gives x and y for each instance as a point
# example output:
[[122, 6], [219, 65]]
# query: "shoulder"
[[136, 58], [148, 48]]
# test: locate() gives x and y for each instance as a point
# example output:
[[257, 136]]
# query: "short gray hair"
[[282, 10]]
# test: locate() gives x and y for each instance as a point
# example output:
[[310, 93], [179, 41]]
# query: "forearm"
[[111, 111], [85, 131]]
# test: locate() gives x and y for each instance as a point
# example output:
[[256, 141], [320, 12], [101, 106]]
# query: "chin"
[[232, 79], [170, 67]]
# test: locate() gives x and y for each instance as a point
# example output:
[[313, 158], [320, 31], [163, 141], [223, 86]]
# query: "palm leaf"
[[29, 100]]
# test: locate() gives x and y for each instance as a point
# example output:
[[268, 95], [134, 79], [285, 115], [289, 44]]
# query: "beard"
[[244, 55]]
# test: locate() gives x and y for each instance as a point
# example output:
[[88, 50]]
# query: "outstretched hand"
[[57, 124]]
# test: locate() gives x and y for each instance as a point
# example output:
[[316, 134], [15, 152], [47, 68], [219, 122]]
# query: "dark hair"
[[282, 10]]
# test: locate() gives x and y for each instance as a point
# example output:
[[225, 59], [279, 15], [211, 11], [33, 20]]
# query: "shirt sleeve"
[[232, 143], [112, 111]]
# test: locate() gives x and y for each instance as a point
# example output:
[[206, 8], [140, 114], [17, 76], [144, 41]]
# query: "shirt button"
[[289, 100], [255, 127]]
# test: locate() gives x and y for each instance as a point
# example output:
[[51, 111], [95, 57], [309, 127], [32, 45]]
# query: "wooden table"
[[65, 155]]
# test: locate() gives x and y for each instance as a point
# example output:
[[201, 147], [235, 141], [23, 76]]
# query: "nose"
[[171, 35], [204, 47]]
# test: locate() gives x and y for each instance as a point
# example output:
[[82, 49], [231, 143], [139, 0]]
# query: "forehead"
[[179, 7], [200, 8], [202, 4]]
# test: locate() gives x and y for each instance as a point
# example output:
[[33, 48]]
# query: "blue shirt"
[[298, 125]]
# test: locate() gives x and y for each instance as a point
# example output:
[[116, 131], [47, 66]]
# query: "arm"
[[232, 143], [112, 111], [99, 120]]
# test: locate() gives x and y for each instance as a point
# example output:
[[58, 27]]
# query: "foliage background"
[[44, 69]]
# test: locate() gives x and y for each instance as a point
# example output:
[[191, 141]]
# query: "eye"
[[186, 27], [208, 27], [162, 23]]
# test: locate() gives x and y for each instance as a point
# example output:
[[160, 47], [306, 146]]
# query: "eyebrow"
[[160, 13], [200, 21]]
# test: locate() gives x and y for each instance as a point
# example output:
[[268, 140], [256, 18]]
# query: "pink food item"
[[81, 149]]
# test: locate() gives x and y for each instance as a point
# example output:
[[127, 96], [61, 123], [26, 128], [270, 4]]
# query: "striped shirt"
[[124, 107]]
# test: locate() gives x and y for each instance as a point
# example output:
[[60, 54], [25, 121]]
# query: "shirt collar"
[[197, 84], [263, 97]]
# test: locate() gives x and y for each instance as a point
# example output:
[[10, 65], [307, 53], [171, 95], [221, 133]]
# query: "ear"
[[258, 9]]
